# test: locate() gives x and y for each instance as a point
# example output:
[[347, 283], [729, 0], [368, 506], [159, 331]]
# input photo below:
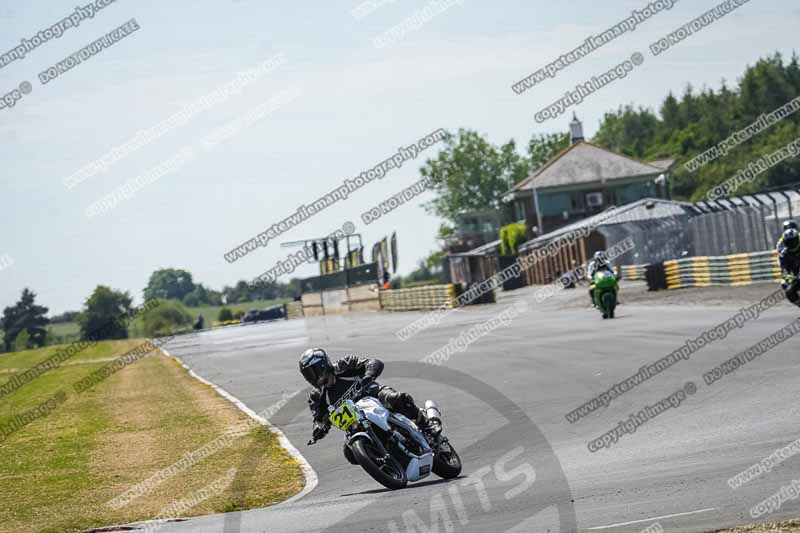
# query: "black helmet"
[[791, 239], [789, 224], [315, 366]]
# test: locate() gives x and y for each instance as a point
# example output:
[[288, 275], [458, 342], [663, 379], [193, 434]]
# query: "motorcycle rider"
[[596, 265], [331, 380], [789, 224], [789, 261]]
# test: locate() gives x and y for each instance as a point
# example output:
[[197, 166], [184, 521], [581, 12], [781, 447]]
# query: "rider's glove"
[[406, 399]]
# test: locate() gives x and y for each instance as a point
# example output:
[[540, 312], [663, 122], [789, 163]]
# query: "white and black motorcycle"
[[389, 446]]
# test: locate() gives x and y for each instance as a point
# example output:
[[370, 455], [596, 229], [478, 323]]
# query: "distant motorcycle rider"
[[789, 224], [332, 380], [598, 263], [789, 261]]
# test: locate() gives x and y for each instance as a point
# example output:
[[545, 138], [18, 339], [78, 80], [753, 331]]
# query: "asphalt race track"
[[508, 393]]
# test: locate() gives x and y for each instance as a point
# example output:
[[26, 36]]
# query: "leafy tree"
[[26, 316], [197, 297], [510, 236], [543, 148], [214, 297], [166, 319], [699, 120], [225, 314], [628, 131], [169, 284], [428, 269], [23, 341], [471, 174], [66, 316], [106, 314], [670, 114]]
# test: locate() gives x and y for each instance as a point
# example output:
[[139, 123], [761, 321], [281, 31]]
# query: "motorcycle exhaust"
[[432, 411]]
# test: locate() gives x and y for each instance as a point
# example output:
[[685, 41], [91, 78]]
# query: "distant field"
[[60, 469], [67, 332], [210, 313]]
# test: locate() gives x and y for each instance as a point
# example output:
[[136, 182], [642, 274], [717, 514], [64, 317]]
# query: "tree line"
[[106, 313], [472, 174]]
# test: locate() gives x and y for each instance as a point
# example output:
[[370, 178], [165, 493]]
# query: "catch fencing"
[[741, 224], [654, 240], [728, 226], [741, 230]]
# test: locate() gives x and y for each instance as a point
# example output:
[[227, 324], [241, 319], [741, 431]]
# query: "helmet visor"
[[316, 369]]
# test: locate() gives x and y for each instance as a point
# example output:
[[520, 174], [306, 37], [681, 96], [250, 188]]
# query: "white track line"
[[311, 479], [654, 518]]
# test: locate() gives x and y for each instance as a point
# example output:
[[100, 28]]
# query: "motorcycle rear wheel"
[[390, 474]]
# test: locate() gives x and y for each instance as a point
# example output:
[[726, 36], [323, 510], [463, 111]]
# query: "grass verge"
[[58, 472]]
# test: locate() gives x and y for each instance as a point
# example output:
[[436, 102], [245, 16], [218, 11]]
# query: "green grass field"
[[59, 470], [210, 313]]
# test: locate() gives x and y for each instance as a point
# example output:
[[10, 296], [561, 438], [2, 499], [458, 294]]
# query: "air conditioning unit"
[[594, 199]]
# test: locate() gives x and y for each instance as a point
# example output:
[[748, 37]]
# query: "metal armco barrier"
[[418, 298], [727, 270], [633, 272]]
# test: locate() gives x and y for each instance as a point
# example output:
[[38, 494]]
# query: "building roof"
[[644, 209], [485, 249], [663, 164], [585, 162]]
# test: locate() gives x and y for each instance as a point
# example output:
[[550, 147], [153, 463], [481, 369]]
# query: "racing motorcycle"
[[389, 446], [790, 282], [605, 292]]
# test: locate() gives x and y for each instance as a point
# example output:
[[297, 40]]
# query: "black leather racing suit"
[[347, 370], [790, 264]]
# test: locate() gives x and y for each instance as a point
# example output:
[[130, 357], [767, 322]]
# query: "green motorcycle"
[[605, 292]]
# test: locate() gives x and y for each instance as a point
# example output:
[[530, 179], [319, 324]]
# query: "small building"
[[583, 180]]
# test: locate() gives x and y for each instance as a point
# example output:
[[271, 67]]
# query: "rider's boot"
[[429, 426], [428, 420]]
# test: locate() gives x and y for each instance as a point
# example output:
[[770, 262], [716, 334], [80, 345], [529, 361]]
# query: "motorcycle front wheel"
[[447, 463], [386, 471], [609, 302]]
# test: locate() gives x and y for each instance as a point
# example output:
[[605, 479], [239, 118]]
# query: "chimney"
[[575, 130]]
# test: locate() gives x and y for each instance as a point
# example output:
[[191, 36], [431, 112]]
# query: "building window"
[[578, 204], [594, 199]]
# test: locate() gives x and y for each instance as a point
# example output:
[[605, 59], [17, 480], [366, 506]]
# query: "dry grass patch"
[[59, 472], [791, 526]]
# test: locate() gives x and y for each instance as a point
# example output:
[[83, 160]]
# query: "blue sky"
[[357, 104]]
